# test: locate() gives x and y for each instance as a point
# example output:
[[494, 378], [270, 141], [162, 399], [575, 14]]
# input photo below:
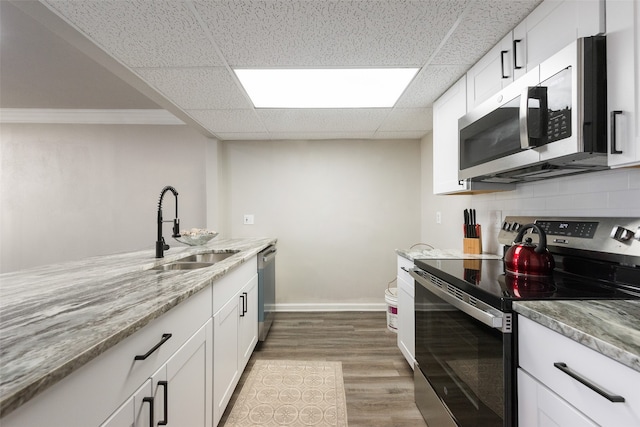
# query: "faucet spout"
[[161, 246]]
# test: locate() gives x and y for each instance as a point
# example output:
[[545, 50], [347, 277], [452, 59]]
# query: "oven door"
[[464, 361]]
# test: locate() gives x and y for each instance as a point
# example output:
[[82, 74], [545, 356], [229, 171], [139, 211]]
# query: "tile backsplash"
[[608, 193]]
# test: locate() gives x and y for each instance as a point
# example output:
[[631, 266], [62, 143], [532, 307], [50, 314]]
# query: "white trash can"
[[391, 298]]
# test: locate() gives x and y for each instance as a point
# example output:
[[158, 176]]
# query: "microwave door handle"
[[527, 139]]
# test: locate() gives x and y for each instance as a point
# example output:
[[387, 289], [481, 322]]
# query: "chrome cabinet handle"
[[614, 150], [165, 386], [602, 392], [165, 338]]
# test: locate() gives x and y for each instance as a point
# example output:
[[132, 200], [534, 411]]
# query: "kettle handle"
[[542, 245]]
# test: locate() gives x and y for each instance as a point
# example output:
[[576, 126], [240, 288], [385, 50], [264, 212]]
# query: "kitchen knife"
[[466, 223], [472, 221]]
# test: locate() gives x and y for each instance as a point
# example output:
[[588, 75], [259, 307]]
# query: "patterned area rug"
[[291, 393]]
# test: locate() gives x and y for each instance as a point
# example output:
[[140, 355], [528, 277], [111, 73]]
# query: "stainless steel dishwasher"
[[266, 290]]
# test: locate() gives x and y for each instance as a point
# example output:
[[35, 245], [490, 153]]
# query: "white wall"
[[607, 193], [72, 191], [339, 209]]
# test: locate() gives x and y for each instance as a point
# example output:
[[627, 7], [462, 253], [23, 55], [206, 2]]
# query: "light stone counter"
[[56, 318], [609, 327], [413, 254]]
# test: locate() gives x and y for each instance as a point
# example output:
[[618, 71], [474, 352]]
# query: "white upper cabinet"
[[549, 28], [446, 111], [623, 88], [491, 73]]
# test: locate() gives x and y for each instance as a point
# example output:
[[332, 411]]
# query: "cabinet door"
[[185, 398], [446, 111], [622, 81], [552, 26], [248, 329], [406, 322], [491, 73], [538, 406], [135, 411], [225, 355]]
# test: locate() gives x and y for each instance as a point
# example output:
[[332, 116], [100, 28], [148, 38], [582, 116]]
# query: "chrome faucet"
[[161, 246]]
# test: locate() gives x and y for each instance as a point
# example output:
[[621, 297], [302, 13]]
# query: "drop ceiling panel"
[[331, 33], [197, 88], [427, 86], [229, 121], [185, 50], [323, 120], [143, 33], [474, 37], [408, 119]]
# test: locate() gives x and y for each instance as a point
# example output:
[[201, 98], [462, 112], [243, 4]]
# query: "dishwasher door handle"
[[267, 257]]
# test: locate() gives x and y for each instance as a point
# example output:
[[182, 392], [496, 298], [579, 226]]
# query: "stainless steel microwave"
[[550, 122]]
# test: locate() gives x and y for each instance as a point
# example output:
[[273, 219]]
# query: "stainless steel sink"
[[178, 265], [211, 257]]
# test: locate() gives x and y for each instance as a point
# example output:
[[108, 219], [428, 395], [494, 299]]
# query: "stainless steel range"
[[465, 329]]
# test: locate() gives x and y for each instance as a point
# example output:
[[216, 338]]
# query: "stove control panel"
[[581, 229], [616, 236]]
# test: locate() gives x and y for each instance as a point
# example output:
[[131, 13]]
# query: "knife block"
[[472, 245]]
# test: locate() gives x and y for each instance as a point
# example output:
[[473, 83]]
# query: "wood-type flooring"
[[378, 381]]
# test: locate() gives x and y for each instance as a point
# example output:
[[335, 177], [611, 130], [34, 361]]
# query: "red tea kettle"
[[527, 259]]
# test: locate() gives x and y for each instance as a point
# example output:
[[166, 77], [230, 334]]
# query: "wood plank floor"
[[378, 381]]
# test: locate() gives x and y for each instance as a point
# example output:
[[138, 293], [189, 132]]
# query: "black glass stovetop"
[[485, 279]]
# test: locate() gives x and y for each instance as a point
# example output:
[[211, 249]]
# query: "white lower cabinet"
[[178, 394], [179, 370], [540, 407], [248, 327], [235, 335], [552, 376], [136, 411], [406, 311]]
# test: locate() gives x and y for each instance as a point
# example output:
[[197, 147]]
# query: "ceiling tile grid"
[[185, 50]]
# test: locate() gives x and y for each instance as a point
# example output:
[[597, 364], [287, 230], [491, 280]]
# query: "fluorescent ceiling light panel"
[[325, 88]]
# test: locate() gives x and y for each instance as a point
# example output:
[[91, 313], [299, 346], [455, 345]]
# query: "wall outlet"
[[438, 217], [248, 219]]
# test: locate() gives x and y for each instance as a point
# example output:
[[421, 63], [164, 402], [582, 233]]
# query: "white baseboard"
[[331, 307]]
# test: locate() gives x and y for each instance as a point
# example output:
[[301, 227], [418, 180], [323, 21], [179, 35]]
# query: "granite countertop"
[[433, 253], [56, 318], [607, 326]]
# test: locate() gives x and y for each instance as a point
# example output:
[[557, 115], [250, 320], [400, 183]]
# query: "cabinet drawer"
[[402, 274], [229, 285], [540, 348], [91, 393]]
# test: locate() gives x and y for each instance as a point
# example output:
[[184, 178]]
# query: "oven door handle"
[[489, 319]]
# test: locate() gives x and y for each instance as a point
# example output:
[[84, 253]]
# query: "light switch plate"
[[248, 219]]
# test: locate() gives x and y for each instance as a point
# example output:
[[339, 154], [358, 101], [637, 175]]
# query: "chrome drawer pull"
[[602, 392], [164, 339]]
